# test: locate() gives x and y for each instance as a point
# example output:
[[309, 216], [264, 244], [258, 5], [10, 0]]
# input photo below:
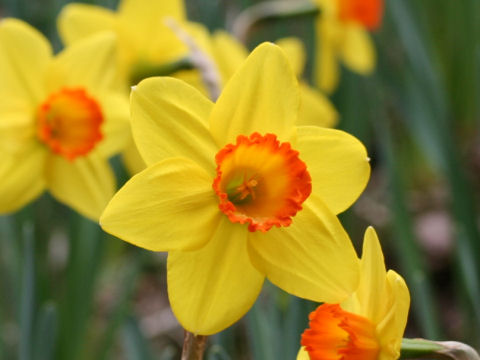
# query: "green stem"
[[278, 9], [422, 348]]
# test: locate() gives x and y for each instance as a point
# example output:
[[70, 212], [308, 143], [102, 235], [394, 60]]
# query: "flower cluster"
[[237, 190]]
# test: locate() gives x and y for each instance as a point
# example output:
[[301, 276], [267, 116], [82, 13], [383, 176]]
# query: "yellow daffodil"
[[315, 108], [60, 118], [145, 41], [342, 35], [234, 191], [369, 325]]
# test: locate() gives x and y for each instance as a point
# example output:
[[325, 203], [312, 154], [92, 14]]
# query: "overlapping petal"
[[90, 63], [85, 184], [369, 295], [295, 52], [312, 258], [262, 96], [147, 13], [17, 126], [393, 324], [211, 288], [357, 50], [21, 74], [78, 21], [168, 206], [316, 109], [337, 162], [229, 54], [21, 177], [169, 119], [116, 126], [327, 71]]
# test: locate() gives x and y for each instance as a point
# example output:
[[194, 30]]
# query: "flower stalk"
[[422, 348], [193, 346]]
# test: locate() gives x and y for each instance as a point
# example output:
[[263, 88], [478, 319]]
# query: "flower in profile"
[[342, 35], [60, 119], [145, 41], [235, 192], [369, 325]]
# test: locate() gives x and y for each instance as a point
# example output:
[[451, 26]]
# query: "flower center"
[[261, 181], [340, 335], [366, 12], [69, 122]]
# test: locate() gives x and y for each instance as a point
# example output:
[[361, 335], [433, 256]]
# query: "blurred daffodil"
[[236, 192], [342, 35], [146, 43], [60, 119], [369, 325]]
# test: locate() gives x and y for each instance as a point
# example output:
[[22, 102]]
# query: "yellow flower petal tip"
[[367, 326]]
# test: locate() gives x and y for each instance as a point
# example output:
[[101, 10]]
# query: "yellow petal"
[[24, 58], [390, 330], [168, 206], [147, 12], [315, 109], [85, 184], [337, 162], [327, 71], [89, 63], [211, 288], [116, 126], [295, 51], [21, 177], [132, 159], [357, 50], [303, 354], [229, 53], [313, 258], [78, 21], [169, 118], [262, 96], [370, 292], [17, 126], [142, 25]]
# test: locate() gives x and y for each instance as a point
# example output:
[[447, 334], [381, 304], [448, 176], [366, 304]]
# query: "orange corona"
[[335, 334], [261, 181], [69, 122], [366, 12]]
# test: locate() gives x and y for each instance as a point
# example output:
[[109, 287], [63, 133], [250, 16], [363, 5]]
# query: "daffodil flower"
[[60, 119], [235, 192], [342, 35], [369, 325], [144, 39]]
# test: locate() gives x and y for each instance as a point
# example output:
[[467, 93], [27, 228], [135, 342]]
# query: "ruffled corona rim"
[[337, 334], [366, 12], [261, 181], [69, 122]]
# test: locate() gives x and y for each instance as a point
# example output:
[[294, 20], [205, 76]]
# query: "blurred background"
[[70, 291]]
